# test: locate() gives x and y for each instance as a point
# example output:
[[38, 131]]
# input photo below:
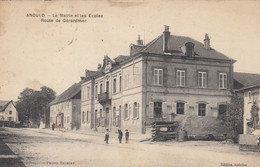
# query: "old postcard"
[[129, 83]]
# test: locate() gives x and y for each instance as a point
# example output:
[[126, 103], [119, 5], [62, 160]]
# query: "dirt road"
[[38, 148]]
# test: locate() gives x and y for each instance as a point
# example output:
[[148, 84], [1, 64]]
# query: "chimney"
[[189, 49], [207, 42], [139, 41], [166, 39]]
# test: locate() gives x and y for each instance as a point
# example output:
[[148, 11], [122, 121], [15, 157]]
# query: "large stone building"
[[169, 75], [65, 108]]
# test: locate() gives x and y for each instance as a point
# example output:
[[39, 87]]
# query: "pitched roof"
[[176, 42], [68, 94], [246, 79], [4, 104], [121, 58]]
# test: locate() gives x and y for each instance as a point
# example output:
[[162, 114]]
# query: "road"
[[36, 148]]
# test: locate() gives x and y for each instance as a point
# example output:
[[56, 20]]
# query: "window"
[[202, 109], [88, 92], [223, 80], [202, 79], [158, 76], [83, 116], [158, 109], [180, 79], [180, 108], [100, 91], [114, 85], [107, 88], [136, 110], [114, 116], [120, 84], [250, 96], [96, 91], [68, 119], [126, 81], [222, 110], [10, 112], [126, 111], [87, 116], [10, 118]]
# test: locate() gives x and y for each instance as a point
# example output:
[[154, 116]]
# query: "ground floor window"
[[202, 109], [222, 110], [126, 114], [180, 108], [136, 110], [87, 116], [157, 109], [114, 116], [83, 116]]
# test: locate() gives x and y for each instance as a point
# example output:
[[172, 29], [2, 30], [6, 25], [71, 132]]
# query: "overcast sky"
[[35, 53]]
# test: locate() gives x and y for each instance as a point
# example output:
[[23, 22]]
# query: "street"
[[35, 147]]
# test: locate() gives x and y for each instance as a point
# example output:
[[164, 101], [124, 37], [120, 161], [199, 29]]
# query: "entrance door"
[[222, 110], [107, 118], [119, 119]]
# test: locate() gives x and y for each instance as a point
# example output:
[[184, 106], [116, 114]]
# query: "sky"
[[56, 54]]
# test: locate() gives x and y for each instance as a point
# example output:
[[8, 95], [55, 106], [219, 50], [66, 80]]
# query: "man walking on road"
[[120, 135], [126, 136]]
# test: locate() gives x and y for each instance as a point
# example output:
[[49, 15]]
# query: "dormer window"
[[189, 49]]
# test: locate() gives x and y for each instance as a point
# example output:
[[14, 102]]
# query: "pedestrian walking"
[[126, 136], [53, 126], [120, 135], [106, 136]]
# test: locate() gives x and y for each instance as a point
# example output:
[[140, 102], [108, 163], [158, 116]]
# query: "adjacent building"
[[170, 75], [8, 114], [65, 108], [250, 89]]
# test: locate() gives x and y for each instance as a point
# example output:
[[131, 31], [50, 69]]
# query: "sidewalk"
[[85, 134]]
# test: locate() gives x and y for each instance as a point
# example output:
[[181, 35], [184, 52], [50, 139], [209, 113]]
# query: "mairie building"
[[170, 75]]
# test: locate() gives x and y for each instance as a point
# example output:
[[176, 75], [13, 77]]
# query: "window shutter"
[[137, 106], [196, 110], [129, 111], [151, 108], [186, 109], [207, 113], [174, 108], [164, 109]]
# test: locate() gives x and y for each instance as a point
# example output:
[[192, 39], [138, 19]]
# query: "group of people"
[[120, 136]]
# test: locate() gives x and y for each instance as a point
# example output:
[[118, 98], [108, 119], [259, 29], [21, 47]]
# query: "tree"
[[33, 105], [234, 116], [253, 122]]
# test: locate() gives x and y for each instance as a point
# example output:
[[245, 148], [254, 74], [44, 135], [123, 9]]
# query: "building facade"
[[8, 113], [168, 76], [65, 108]]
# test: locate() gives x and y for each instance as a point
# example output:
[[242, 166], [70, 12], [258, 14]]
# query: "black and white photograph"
[[129, 83]]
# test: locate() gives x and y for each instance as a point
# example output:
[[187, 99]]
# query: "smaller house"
[[8, 114], [65, 108], [249, 86]]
